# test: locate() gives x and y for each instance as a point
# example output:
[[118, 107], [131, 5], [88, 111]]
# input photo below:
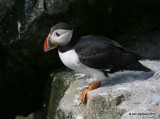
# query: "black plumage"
[[102, 53]]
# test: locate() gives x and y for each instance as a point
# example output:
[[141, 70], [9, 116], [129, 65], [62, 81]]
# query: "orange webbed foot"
[[92, 86]]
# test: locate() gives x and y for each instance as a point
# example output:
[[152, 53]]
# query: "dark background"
[[25, 68]]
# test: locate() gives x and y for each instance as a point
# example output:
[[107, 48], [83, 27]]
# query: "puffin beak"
[[48, 45]]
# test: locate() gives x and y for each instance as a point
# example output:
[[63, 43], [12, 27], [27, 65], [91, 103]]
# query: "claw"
[[92, 86]]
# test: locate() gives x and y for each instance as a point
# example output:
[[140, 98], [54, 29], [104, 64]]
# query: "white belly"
[[71, 60]]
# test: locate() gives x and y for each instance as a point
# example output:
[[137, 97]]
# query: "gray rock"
[[57, 6], [5, 6], [58, 87], [124, 95]]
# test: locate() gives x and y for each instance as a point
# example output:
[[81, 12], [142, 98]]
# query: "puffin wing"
[[102, 53]]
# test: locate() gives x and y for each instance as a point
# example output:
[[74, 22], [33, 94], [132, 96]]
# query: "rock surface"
[[124, 95], [58, 87]]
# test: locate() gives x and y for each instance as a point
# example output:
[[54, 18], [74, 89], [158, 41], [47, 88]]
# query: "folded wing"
[[102, 53]]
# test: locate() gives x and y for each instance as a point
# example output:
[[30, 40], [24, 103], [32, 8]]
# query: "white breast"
[[71, 60]]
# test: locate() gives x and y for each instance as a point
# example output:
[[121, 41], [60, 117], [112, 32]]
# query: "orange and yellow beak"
[[49, 44]]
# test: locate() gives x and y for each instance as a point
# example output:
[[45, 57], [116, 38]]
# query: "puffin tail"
[[136, 66]]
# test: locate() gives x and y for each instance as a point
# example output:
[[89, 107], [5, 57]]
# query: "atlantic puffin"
[[92, 55]]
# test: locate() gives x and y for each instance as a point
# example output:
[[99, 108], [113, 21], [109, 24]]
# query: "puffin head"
[[60, 34]]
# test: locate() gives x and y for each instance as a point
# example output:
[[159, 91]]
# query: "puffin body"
[[92, 55], [71, 60]]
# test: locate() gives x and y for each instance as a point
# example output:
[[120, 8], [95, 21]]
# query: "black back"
[[102, 53]]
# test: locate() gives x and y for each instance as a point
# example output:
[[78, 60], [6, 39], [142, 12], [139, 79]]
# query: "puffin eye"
[[57, 34]]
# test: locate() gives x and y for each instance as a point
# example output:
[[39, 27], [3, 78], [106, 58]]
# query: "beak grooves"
[[49, 44]]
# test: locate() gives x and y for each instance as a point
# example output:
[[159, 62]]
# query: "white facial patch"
[[62, 36]]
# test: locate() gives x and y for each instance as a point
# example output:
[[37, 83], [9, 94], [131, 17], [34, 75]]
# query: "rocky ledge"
[[124, 95]]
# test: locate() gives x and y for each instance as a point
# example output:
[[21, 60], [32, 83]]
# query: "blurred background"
[[25, 70]]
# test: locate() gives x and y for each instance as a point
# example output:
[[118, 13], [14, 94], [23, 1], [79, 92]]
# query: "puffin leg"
[[92, 86]]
